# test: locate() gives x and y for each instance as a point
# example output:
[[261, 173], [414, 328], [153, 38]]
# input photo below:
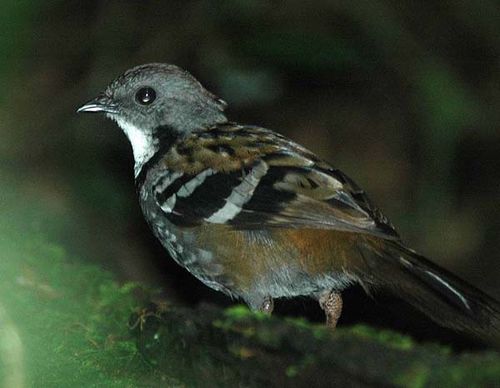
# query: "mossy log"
[[234, 347]]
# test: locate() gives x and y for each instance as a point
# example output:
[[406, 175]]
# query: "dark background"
[[403, 96]]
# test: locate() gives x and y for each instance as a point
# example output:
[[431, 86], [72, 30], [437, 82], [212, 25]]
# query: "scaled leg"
[[331, 303], [267, 305], [261, 304]]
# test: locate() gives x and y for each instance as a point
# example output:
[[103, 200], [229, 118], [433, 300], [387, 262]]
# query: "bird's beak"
[[102, 103]]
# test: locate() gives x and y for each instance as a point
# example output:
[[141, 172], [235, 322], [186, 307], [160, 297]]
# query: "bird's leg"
[[267, 305], [331, 303], [262, 304]]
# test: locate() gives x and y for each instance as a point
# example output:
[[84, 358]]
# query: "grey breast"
[[180, 242]]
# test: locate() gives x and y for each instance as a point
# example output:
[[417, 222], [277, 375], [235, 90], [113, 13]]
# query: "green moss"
[[387, 337], [415, 376], [66, 321], [239, 319], [300, 323], [238, 312], [469, 371], [292, 371], [319, 331], [241, 312]]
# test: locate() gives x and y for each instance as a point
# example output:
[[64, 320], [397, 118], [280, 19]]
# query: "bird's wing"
[[253, 178]]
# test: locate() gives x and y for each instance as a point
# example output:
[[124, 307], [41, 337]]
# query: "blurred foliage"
[[63, 323], [15, 21], [401, 95]]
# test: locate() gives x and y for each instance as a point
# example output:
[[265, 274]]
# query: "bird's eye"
[[145, 96]]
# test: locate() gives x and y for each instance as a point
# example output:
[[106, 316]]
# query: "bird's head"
[[154, 100]]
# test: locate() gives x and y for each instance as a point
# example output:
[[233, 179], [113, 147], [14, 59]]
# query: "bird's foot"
[[331, 303], [262, 304], [267, 305]]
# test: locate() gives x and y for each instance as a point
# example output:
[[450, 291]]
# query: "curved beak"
[[102, 103]]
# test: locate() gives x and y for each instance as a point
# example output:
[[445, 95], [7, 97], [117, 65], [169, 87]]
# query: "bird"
[[257, 216]]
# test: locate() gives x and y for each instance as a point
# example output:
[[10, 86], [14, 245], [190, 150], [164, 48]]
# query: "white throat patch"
[[143, 144]]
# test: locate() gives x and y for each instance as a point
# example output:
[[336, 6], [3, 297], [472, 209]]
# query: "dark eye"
[[145, 96]]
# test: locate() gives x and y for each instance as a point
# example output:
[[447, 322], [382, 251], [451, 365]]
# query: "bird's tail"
[[446, 299]]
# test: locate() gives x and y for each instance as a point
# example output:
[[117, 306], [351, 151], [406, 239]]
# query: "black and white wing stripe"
[[287, 187], [240, 195]]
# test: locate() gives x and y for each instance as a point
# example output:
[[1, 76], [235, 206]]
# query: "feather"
[[443, 297], [297, 189]]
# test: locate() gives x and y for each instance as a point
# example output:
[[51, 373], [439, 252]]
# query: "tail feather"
[[446, 299]]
